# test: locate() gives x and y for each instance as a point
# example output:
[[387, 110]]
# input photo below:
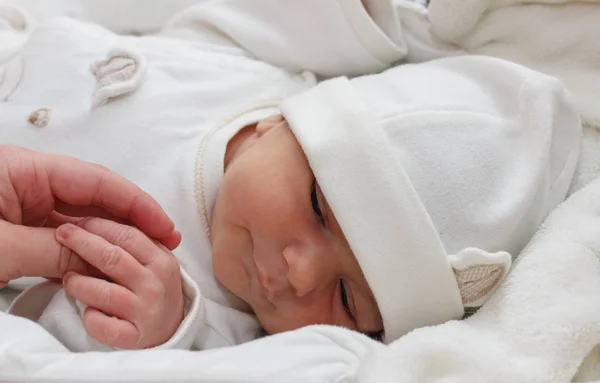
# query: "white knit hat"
[[436, 172]]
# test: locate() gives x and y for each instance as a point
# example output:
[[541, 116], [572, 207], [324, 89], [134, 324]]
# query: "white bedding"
[[539, 325]]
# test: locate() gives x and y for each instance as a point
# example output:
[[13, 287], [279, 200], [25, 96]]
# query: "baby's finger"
[[111, 260], [105, 296], [73, 214], [111, 331], [142, 248]]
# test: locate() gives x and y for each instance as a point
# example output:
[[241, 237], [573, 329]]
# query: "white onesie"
[[160, 110]]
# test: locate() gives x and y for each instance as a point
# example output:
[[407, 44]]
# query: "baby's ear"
[[478, 273]]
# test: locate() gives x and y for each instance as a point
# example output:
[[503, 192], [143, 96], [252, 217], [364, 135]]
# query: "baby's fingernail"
[[65, 231]]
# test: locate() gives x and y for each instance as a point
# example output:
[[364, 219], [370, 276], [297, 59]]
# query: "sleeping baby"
[[380, 203]]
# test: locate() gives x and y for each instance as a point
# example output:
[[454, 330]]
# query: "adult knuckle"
[[35, 198], [21, 178]]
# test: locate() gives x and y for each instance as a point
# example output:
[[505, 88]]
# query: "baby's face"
[[277, 245]]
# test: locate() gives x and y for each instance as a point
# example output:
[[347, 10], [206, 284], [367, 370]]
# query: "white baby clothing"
[[437, 187], [159, 110]]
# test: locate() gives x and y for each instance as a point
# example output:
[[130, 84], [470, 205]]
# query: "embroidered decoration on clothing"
[[477, 281], [478, 273], [120, 74], [41, 117]]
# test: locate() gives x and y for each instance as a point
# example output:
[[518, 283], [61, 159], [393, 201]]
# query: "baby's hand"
[[143, 305]]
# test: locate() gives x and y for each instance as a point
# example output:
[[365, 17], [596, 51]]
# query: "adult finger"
[[88, 211], [110, 330], [34, 252], [81, 183], [56, 219], [105, 296], [111, 260]]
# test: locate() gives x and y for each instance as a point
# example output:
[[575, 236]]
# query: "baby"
[[382, 204]]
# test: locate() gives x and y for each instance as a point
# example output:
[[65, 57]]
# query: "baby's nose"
[[308, 268]]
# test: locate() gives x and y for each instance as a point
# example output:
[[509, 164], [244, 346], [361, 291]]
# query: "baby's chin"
[[236, 302], [274, 323], [267, 320]]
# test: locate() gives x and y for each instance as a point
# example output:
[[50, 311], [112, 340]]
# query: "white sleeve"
[[313, 354], [61, 315], [188, 329], [328, 37]]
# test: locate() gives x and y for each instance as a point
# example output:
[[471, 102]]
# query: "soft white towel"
[[539, 325]]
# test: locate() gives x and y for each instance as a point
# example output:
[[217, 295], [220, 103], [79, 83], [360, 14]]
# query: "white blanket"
[[538, 327], [558, 37], [545, 319]]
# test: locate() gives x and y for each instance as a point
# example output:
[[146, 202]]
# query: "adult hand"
[[37, 190]]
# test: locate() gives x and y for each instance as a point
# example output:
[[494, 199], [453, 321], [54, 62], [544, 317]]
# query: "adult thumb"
[[34, 252]]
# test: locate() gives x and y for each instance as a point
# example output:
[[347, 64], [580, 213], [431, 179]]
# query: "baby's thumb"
[[34, 252]]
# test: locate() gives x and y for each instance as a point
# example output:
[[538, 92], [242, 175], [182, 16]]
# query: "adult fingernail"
[[65, 231]]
